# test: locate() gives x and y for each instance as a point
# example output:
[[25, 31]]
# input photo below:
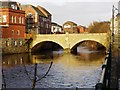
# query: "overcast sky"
[[82, 12]]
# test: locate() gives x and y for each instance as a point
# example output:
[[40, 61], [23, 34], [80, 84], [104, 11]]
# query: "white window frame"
[[19, 20], [15, 43], [22, 20], [15, 19], [12, 19], [18, 32], [21, 42], [13, 6], [1, 18], [67, 26], [4, 19], [7, 43]]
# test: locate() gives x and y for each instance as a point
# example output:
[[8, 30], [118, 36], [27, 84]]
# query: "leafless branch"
[[46, 72]]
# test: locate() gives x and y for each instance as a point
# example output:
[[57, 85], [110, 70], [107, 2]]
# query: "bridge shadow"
[[52, 46], [90, 45], [46, 46]]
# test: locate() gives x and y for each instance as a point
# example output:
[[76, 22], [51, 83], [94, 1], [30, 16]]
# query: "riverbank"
[[14, 46], [15, 50]]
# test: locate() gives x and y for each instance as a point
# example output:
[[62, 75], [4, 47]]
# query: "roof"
[[55, 24], [70, 22], [38, 11], [81, 26], [35, 8], [39, 7], [118, 15], [23, 7], [7, 4]]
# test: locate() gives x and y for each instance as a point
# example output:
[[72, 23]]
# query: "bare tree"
[[35, 80]]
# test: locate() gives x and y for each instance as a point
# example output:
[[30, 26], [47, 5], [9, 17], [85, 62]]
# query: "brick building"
[[82, 29], [12, 24], [38, 19], [70, 27]]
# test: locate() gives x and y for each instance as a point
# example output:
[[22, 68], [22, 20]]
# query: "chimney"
[[119, 7]]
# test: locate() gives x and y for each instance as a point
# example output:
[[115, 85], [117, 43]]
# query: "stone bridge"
[[69, 41]]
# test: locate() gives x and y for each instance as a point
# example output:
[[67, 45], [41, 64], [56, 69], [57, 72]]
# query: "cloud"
[[58, 2], [82, 12]]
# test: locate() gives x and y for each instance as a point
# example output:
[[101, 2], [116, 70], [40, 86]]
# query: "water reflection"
[[15, 59], [68, 70], [28, 58]]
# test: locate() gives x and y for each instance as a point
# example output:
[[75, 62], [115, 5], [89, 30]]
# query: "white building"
[[55, 28]]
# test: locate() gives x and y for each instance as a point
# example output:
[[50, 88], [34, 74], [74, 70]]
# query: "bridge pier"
[[67, 50]]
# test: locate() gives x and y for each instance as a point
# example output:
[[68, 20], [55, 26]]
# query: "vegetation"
[[99, 27]]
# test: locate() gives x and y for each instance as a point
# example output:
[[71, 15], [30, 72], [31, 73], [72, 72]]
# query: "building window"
[[22, 20], [18, 32], [7, 43], [20, 43], [15, 19], [41, 24], [0, 18], [67, 26], [53, 28], [12, 32], [19, 19], [118, 31], [12, 6], [48, 20], [12, 19], [15, 43], [47, 26], [45, 19], [4, 18]]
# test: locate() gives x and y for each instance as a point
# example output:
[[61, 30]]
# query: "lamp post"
[[113, 31]]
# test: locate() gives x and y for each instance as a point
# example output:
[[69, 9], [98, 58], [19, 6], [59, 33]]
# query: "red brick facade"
[[12, 27], [82, 29], [12, 23]]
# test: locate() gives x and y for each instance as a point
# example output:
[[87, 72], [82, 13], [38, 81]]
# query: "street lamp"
[[113, 32]]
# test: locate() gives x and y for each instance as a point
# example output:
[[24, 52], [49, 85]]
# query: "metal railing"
[[104, 83]]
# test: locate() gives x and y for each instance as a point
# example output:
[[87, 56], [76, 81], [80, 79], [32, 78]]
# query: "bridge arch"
[[40, 44], [76, 44]]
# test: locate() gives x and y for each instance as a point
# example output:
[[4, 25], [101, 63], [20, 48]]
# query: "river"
[[68, 71]]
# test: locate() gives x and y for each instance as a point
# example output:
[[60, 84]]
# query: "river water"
[[68, 70]]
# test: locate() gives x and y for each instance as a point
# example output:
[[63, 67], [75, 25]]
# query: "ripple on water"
[[67, 72]]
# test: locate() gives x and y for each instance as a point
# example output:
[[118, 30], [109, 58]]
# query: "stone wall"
[[10, 46]]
